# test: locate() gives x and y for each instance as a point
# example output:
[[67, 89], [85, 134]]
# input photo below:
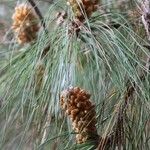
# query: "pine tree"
[[77, 76]]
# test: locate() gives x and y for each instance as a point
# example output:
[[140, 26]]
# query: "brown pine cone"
[[77, 105], [83, 8]]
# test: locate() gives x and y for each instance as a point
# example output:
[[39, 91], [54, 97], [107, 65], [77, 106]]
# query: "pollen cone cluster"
[[25, 24], [83, 8], [77, 105]]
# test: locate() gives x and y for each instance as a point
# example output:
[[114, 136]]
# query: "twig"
[[48, 1], [33, 4]]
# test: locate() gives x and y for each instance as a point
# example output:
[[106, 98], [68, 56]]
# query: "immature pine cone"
[[77, 105], [25, 24], [80, 7]]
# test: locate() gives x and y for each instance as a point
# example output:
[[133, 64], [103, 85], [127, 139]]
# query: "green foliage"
[[101, 59]]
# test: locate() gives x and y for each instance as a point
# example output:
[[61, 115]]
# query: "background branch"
[[33, 4]]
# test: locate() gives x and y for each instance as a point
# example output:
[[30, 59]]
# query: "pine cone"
[[83, 8], [25, 24], [77, 105]]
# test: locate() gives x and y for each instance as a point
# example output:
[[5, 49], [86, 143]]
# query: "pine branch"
[[131, 87], [146, 23]]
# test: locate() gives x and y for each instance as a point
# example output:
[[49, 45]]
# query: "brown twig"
[[48, 1], [33, 4]]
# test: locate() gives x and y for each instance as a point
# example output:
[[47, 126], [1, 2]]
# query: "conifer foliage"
[[65, 50]]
